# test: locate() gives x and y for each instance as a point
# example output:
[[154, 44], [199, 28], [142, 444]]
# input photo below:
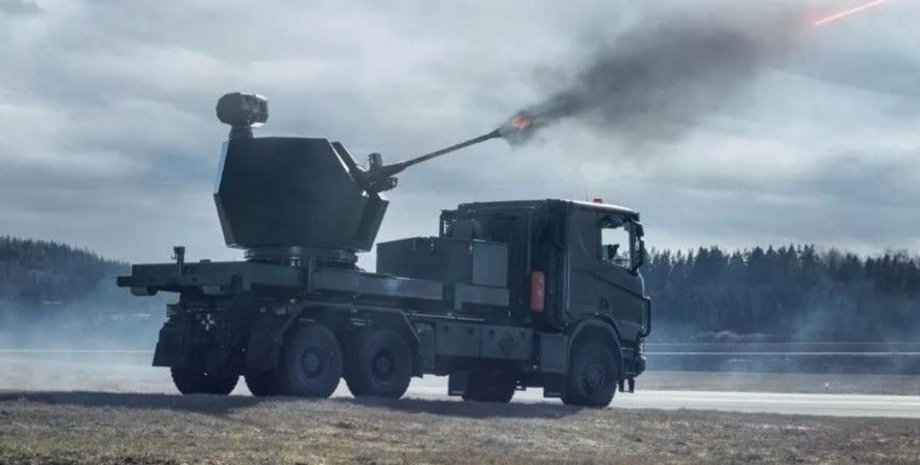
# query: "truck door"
[[619, 287], [584, 242]]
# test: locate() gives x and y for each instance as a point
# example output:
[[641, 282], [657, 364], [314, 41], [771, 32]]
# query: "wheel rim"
[[311, 363], [595, 377], [382, 365]]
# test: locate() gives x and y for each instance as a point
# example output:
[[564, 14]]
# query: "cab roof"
[[596, 206]]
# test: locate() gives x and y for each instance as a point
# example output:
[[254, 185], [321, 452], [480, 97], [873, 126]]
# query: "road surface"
[[128, 371], [842, 405]]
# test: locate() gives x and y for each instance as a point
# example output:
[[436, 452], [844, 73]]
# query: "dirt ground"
[[116, 428]]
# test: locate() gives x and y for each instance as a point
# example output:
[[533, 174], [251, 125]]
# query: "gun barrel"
[[387, 171], [453, 148]]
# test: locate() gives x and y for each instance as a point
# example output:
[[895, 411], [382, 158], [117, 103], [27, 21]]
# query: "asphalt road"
[[813, 357], [127, 371], [759, 402]]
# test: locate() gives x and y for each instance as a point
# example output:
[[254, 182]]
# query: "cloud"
[[19, 8], [108, 137]]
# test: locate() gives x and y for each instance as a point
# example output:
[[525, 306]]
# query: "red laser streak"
[[850, 12]]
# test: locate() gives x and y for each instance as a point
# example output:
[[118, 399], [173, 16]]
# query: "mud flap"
[[457, 383], [554, 386], [170, 351]]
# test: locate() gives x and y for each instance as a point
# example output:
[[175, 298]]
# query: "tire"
[[311, 363], [196, 382], [593, 376], [221, 385], [380, 365], [490, 386], [263, 384], [187, 381]]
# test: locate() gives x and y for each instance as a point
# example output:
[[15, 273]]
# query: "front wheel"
[[195, 382], [593, 376], [311, 365]]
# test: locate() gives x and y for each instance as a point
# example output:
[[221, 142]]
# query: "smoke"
[[657, 79], [80, 347]]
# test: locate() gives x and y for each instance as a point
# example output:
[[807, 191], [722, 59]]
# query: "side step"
[[629, 383]]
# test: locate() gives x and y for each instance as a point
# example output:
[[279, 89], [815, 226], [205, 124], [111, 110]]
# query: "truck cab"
[[573, 270]]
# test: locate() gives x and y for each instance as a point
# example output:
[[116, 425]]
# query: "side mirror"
[[640, 257]]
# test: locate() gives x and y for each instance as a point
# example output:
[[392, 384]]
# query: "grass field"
[[113, 428]]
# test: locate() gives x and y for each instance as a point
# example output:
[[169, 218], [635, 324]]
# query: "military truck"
[[509, 295]]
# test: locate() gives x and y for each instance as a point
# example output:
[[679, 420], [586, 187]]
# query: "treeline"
[[784, 294], [36, 273], [50, 284], [56, 295]]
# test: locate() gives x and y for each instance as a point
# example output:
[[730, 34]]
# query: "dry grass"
[[108, 428]]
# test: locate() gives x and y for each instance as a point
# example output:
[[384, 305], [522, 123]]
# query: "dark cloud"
[[108, 137], [857, 180], [848, 200]]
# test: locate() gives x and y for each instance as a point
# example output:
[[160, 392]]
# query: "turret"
[[295, 199]]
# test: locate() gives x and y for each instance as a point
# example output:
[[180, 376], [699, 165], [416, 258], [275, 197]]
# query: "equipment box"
[[446, 259]]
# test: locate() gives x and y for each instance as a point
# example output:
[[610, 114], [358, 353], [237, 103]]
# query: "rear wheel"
[[263, 384], [490, 386], [380, 365], [593, 376], [195, 382], [311, 365]]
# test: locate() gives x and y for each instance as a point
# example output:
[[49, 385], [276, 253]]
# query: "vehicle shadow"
[[204, 404], [455, 408], [224, 405]]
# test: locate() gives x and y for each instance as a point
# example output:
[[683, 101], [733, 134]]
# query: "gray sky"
[[108, 138]]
